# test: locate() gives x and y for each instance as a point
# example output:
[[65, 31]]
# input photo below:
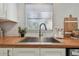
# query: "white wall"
[[60, 11], [64, 10]]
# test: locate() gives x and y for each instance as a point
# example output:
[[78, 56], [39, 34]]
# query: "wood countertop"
[[12, 42]]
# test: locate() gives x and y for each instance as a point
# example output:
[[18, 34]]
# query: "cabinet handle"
[[8, 53]]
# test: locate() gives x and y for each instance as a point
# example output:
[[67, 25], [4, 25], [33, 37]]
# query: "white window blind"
[[37, 13]]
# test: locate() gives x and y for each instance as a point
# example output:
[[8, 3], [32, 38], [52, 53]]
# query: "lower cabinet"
[[32, 52], [53, 51], [1, 51], [8, 51], [5, 51], [38, 52], [25, 52]]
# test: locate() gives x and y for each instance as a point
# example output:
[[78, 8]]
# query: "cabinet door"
[[3, 7], [7, 51], [52, 52], [12, 11], [25, 51], [1, 51]]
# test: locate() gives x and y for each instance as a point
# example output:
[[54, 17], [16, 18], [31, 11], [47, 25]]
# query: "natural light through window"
[[37, 14]]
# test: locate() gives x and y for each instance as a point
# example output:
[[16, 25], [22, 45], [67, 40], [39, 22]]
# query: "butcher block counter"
[[13, 42]]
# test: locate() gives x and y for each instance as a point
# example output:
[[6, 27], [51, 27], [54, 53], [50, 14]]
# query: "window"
[[37, 13]]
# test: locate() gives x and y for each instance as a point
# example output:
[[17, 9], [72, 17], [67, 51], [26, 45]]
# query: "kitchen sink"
[[36, 39], [30, 39], [50, 39]]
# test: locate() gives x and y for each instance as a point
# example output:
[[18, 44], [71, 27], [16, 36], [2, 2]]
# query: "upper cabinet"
[[3, 10], [8, 12], [12, 11]]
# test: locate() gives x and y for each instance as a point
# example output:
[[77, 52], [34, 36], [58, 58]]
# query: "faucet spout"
[[40, 30], [44, 26]]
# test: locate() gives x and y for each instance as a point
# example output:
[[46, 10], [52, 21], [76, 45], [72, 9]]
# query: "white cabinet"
[[12, 11], [32, 52], [1, 51], [25, 51], [3, 7], [5, 51], [38, 51], [52, 51], [8, 11], [8, 51]]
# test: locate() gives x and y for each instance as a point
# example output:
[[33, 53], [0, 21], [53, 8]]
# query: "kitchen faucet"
[[40, 31]]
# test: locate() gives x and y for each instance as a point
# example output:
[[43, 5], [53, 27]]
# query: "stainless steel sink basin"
[[50, 39], [30, 39], [36, 39]]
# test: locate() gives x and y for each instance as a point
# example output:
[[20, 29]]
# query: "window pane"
[[45, 14], [37, 14], [32, 14]]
